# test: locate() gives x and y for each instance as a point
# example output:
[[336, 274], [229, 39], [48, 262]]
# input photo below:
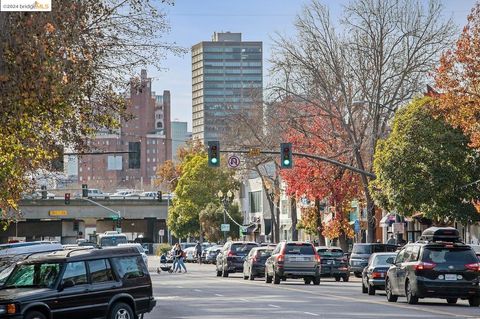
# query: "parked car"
[[211, 254], [333, 263], [187, 245], [361, 252], [140, 249], [230, 258], [476, 248], [96, 193], [254, 264], [437, 266], [116, 285], [190, 254], [293, 259], [111, 238], [373, 275], [122, 193]]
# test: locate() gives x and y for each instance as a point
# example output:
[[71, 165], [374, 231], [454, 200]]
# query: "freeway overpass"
[[53, 219]]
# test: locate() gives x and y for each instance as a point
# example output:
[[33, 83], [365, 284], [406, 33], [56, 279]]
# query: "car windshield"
[[381, 260], [264, 252], [299, 249], [242, 249], [41, 275], [113, 241], [362, 249], [450, 256], [326, 252]]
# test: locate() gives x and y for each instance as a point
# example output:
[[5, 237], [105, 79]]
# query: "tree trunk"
[[293, 210], [342, 242], [321, 238]]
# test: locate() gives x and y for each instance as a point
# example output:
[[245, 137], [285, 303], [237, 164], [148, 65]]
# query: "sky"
[[193, 21]]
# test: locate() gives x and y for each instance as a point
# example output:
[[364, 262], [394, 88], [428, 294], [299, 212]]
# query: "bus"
[[111, 238]]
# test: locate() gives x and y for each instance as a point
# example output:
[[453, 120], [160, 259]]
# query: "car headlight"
[[10, 308]]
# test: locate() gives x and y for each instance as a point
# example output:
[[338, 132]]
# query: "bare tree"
[[362, 72]]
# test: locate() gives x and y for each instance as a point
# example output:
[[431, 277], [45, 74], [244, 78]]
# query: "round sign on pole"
[[233, 161]]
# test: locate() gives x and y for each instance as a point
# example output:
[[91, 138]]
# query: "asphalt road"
[[200, 294]]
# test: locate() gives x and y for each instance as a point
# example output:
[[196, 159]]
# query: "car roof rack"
[[440, 235]]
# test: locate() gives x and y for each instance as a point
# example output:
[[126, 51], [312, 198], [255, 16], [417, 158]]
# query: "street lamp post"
[[225, 199]]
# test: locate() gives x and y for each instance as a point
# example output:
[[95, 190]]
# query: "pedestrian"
[[198, 252], [391, 241], [174, 257], [179, 255]]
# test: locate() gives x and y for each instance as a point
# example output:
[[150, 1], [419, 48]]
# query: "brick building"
[[148, 134]]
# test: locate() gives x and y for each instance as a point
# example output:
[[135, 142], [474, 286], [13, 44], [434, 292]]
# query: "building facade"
[[147, 136], [180, 136], [226, 76]]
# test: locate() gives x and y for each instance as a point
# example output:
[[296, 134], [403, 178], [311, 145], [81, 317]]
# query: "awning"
[[387, 220]]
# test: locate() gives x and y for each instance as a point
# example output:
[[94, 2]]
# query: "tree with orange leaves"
[[458, 79]]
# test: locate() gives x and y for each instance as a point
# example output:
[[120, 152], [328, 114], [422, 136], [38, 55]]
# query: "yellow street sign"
[[254, 152], [58, 213]]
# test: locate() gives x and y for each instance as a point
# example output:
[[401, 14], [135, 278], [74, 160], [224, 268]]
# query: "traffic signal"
[[159, 196], [44, 192], [84, 190], [67, 198], [286, 155], [214, 153]]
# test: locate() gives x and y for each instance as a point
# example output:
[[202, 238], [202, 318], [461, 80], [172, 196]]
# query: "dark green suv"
[[78, 284]]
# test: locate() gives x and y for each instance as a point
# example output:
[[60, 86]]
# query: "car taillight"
[[377, 275], [474, 266], [230, 254], [281, 258], [425, 266], [317, 258]]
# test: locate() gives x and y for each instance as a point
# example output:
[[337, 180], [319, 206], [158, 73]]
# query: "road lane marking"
[[354, 299], [218, 295], [274, 306], [244, 300], [179, 287], [310, 313], [197, 290]]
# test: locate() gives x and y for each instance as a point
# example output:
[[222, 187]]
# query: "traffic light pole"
[[104, 207], [312, 156]]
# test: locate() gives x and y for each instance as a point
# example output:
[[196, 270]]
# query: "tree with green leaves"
[[424, 165], [197, 187], [212, 217], [63, 75]]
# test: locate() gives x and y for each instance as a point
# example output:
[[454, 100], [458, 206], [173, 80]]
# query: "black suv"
[[362, 252], [230, 259], [437, 266], [77, 284]]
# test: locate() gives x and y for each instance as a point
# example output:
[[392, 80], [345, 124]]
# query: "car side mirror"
[[67, 284]]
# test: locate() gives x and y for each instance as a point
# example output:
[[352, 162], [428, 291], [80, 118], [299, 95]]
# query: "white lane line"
[[244, 300], [197, 290], [274, 306], [310, 313], [218, 295], [179, 287]]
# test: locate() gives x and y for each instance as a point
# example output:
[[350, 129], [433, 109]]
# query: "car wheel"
[[276, 278], [411, 298], [358, 274], [268, 279], [219, 273], [474, 301], [121, 311], [316, 280], [35, 315], [346, 278], [371, 290], [389, 291], [364, 289], [337, 278], [452, 300], [307, 281]]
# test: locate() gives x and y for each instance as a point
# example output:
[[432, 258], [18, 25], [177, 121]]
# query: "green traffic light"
[[286, 162], [214, 160]]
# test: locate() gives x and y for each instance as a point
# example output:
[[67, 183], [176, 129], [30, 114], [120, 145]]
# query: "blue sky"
[[193, 21]]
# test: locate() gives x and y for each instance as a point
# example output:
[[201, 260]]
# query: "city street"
[[200, 294]]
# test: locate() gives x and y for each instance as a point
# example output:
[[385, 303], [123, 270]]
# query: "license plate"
[[450, 277]]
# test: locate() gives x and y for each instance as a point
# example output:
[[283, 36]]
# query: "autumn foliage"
[[458, 79], [320, 180]]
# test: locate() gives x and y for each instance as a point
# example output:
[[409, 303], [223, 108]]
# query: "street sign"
[[254, 152], [225, 227], [161, 232], [356, 226], [243, 229], [58, 213], [118, 229], [233, 161]]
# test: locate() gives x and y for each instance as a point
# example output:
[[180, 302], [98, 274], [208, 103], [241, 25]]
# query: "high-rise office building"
[[180, 136], [226, 77]]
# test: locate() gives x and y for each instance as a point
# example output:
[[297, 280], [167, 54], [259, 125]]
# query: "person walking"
[[198, 252], [392, 240], [179, 255]]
